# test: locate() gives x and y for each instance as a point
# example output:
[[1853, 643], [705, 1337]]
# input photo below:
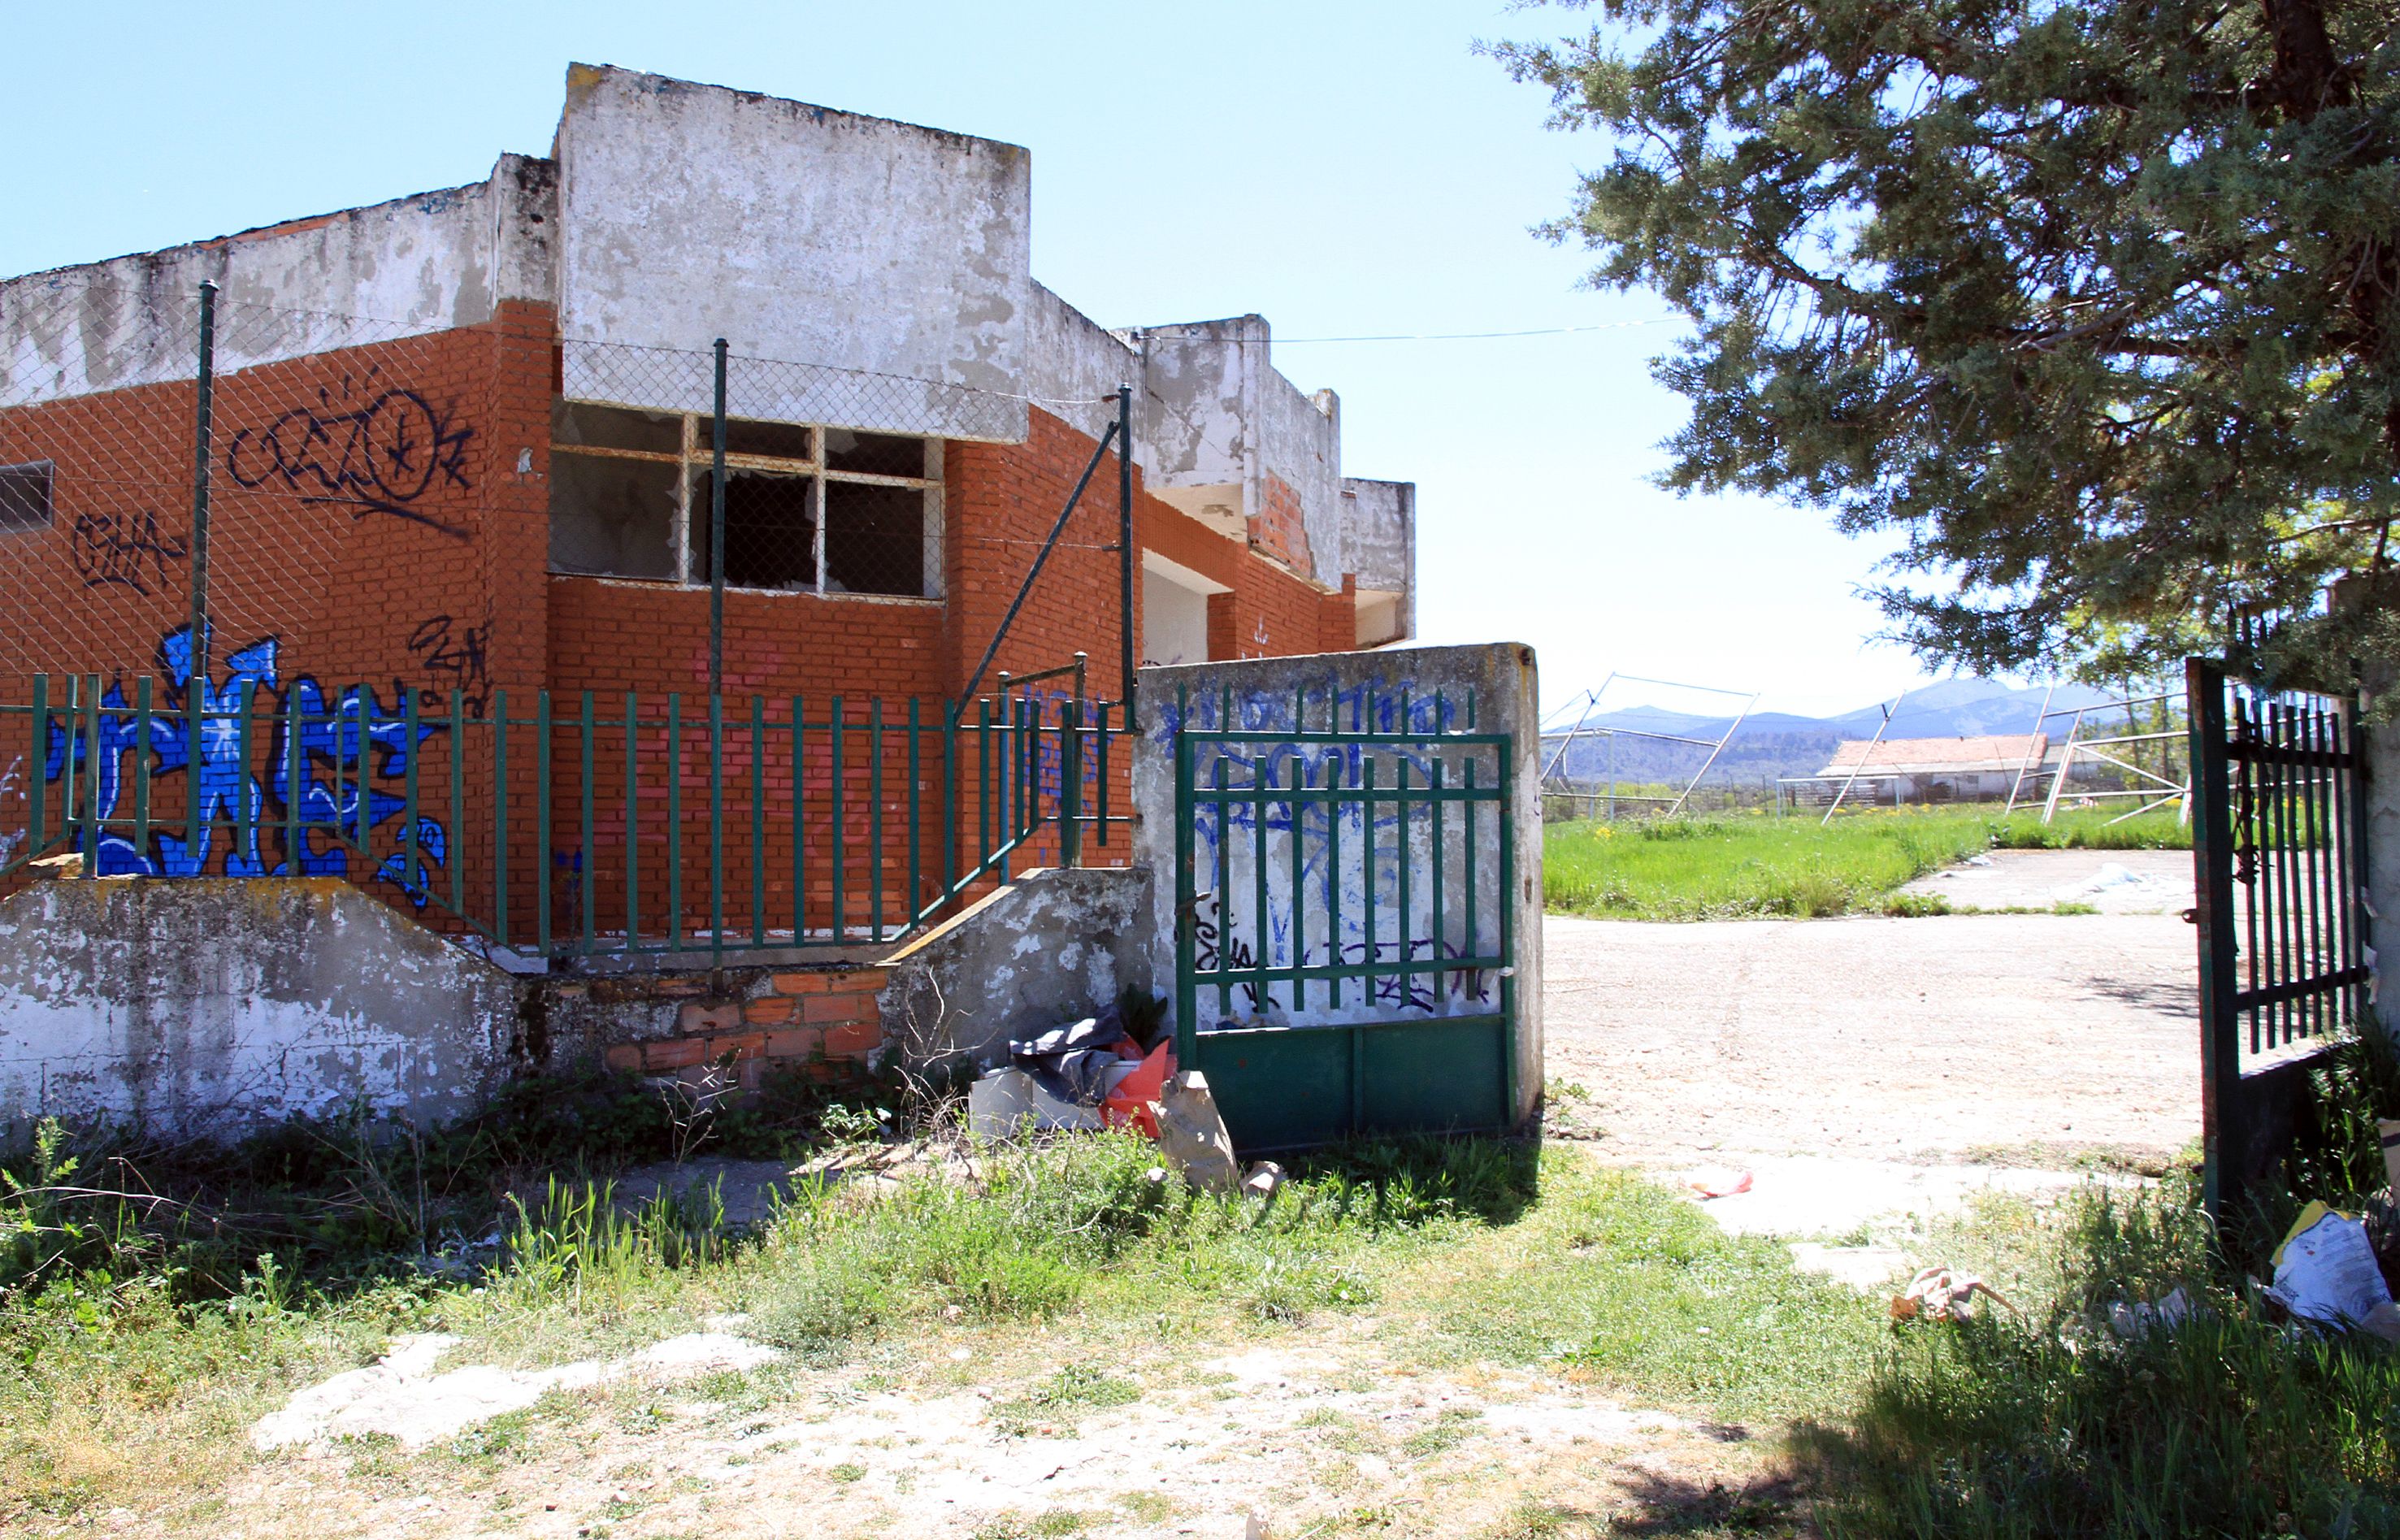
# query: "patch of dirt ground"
[[2023, 1040], [1319, 1434]]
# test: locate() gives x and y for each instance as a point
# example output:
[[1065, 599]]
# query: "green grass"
[[2052, 1425], [1754, 866]]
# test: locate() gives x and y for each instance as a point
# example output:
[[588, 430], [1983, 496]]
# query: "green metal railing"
[[1342, 903], [631, 827]]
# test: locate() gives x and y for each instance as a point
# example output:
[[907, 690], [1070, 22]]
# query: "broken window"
[[770, 530], [25, 497], [807, 510]]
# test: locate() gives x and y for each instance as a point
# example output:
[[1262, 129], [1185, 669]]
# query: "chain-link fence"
[[263, 578]]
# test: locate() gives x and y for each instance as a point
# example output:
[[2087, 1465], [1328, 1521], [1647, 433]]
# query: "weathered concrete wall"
[[1405, 690], [408, 267], [799, 234], [1071, 361], [202, 1005], [1054, 946], [1379, 528]]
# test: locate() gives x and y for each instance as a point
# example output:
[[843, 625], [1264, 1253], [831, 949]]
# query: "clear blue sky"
[[1340, 168]]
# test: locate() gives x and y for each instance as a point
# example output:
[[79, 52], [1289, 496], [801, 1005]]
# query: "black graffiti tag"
[[441, 647], [124, 548], [385, 457]]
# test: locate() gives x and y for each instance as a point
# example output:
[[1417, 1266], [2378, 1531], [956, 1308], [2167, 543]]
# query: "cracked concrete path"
[[2003, 1038]]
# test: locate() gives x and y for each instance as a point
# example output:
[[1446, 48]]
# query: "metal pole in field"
[[1125, 545], [1884, 726], [717, 534], [202, 428]]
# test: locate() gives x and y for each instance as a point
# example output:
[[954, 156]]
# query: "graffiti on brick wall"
[[341, 749], [454, 656], [392, 454], [125, 550]]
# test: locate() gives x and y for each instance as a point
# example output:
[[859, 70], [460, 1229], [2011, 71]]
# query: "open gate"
[[1345, 937], [2279, 861]]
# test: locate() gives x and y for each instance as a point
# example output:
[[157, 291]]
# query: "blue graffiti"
[[353, 737]]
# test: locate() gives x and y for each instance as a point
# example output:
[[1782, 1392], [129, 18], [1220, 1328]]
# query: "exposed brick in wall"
[[826, 1021], [1280, 530]]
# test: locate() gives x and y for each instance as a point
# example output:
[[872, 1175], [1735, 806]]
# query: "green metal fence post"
[[295, 844], [875, 818], [1070, 784], [142, 765], [196, 557], [2213, 839], [633, 821], [586, 723], [1506, 774], [716, 533], [452, 853], [949, 795], [674, 819], [716, 823], [499, 816], [91, 774], [799, 823], [757, 821], [840, 915], [1187, 907], [543, 855], [37, 792], [916, 811], [410, 874]]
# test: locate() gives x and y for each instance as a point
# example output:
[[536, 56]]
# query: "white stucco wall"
[[801, 235], [413, 265], [205, 1005]]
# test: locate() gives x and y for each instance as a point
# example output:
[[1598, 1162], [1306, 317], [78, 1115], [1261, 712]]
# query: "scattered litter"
[[1255, 1530], [1264, 1179], [1943, 1294], [1089, 1074], [1009, 1100], [2140, 1318], [1979, 861], [1076, 1062], [2326, 1272], [1192, 1135], [1718, 1184], [401, 1395]]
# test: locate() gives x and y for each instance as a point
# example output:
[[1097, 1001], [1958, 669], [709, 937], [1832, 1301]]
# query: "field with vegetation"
[[1746, 865], [155, 1302]]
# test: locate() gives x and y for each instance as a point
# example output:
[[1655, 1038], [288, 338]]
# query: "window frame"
[[697, 457], [49, 471]]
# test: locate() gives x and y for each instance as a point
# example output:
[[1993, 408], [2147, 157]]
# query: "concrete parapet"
[[205, 1005]]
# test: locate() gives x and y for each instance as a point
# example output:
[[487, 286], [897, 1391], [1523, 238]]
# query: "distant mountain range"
[[1779, 743]]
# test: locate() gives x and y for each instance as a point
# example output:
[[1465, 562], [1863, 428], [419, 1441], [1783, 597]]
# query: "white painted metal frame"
[[1587, 704]]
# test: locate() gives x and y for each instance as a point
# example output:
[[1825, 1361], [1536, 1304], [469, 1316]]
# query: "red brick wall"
[[1280, 530], [381, 516]]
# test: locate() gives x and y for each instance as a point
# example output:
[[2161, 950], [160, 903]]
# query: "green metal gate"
[[1344, 943], [2279, 863]]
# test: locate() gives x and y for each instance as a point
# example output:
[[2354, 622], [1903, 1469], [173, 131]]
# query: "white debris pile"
[[400, 1394]]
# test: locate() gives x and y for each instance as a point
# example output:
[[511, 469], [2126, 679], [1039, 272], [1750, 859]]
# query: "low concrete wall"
[[201, 1006], [1051, 948], [1398, 689]]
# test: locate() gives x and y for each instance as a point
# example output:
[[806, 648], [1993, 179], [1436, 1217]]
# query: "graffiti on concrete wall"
[[392, 453], [343, 749], [1345, 860], [125, 550]]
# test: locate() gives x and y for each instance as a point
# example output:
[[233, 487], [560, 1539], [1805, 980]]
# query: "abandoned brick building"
[[458, 453]]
